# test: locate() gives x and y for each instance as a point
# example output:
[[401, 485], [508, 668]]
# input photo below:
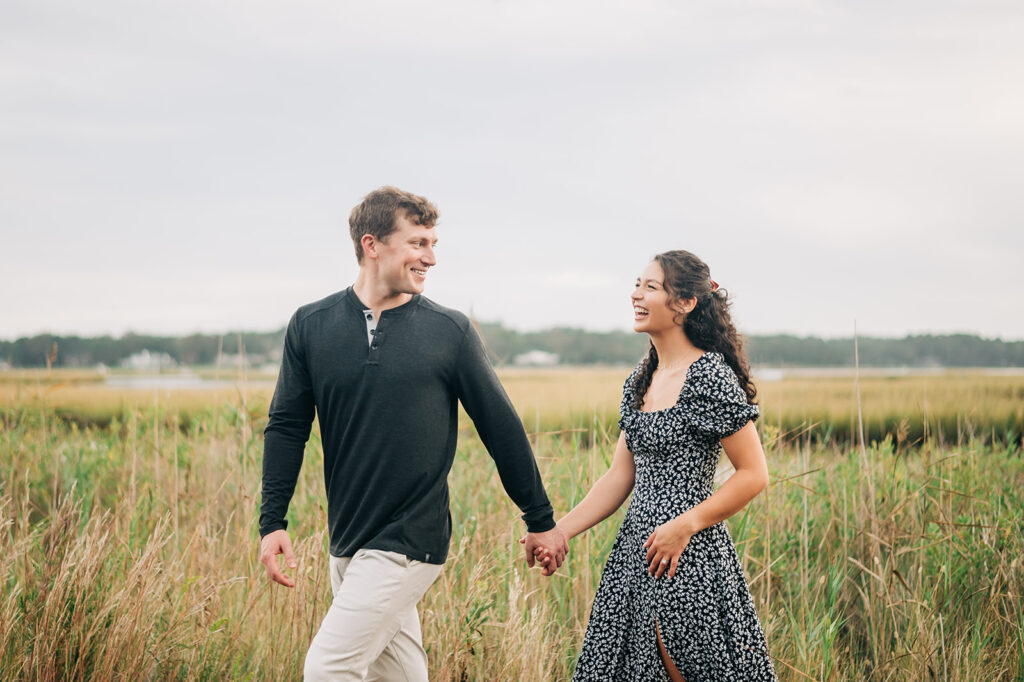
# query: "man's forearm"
[[282, 461], [502, 433]]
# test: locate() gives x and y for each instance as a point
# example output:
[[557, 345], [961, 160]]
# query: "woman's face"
[[651, 311]]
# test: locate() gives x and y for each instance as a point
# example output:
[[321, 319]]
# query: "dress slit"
[[670, 665]]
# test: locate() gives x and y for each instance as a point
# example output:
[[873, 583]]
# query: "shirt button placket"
[[373, 335]]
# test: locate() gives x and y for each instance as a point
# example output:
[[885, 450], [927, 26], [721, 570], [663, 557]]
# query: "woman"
[[673, 602]]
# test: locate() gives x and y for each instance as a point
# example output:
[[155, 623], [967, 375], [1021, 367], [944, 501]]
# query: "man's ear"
[[369, 244]]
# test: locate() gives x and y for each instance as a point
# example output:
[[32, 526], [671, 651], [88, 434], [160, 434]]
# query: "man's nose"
[[428, 256]]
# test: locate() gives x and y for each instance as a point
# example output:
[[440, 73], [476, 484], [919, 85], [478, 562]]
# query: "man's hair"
[[380, 210]]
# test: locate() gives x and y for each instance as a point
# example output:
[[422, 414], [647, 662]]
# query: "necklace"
[[678, 364]]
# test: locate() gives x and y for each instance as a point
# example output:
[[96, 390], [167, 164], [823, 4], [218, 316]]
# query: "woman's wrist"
[[689, 523], [566, 530]]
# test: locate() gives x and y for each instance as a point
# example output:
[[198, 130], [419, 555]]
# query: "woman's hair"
[[708, 326]]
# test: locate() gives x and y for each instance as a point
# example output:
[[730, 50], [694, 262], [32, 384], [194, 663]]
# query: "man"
[[384, 368]]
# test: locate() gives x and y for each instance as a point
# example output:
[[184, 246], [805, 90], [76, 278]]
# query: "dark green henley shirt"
[[388, 412]]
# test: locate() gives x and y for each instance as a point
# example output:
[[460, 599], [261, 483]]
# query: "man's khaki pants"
[[372, 631]]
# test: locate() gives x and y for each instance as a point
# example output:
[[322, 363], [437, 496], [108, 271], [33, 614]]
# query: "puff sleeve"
[[716, 404]]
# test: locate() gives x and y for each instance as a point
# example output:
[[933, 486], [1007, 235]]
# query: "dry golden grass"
[[129, 539]]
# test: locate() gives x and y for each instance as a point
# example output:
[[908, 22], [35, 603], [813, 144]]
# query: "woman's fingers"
[[546, 559], [674, 565], [660, 563]]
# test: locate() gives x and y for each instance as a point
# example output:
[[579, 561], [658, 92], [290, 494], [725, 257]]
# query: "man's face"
[[405, 255]]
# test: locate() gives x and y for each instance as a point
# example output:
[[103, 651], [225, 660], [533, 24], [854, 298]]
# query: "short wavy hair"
[[378, 213]]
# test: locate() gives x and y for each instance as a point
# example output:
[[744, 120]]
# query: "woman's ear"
[[685, 306]]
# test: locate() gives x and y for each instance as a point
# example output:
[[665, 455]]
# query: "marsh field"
[[128, 532]]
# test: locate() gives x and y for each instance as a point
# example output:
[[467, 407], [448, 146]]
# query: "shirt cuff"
[[540, 524], [271, 527]]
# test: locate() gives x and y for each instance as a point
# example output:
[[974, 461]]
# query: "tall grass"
[[130, 549]]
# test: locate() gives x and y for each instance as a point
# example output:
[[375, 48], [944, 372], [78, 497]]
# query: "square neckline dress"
[[705, 613]]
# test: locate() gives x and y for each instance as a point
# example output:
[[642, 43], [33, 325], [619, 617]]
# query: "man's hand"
[[549, 547], [271, 545]]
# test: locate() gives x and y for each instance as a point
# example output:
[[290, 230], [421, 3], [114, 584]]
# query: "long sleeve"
[[502, 433], [291, 418]]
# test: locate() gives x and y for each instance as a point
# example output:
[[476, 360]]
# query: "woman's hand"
[[666, 544], [549, 560]]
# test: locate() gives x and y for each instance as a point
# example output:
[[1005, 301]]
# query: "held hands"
[[548, 549], [666, 544], [271, 545]]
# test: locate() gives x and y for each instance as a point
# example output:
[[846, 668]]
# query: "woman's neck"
[[674, 348]]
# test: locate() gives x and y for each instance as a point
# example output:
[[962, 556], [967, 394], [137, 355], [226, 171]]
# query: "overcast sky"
[[190, 166]]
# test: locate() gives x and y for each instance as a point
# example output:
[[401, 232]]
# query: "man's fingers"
[[289, 555], [285, 547], [276, 575], [270, 546]]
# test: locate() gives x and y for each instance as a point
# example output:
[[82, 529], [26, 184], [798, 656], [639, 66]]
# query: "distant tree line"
[[573, 346], [927, 350], [195, 349]]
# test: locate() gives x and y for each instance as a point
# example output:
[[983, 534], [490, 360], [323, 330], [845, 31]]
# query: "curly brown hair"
[[708, 326], [379, 211]]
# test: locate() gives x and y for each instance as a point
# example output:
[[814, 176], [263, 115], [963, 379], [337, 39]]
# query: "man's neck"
[[377, 295]]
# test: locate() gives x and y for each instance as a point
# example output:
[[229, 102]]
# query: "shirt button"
[[369, 316], [373, 347]]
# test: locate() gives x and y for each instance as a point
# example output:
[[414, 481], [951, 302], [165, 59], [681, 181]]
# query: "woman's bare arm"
[[606, 495], [743, 449]]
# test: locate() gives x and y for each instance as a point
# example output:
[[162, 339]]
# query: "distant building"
[[146, 361], [536, 358]]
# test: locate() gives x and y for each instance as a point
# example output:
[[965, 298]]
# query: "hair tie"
[[714, 286]]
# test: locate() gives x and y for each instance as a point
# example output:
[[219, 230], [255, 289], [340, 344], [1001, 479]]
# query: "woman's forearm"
[[736, 493], [607, 495]]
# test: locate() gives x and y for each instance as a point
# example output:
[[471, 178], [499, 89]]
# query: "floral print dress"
[[705, 613]]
